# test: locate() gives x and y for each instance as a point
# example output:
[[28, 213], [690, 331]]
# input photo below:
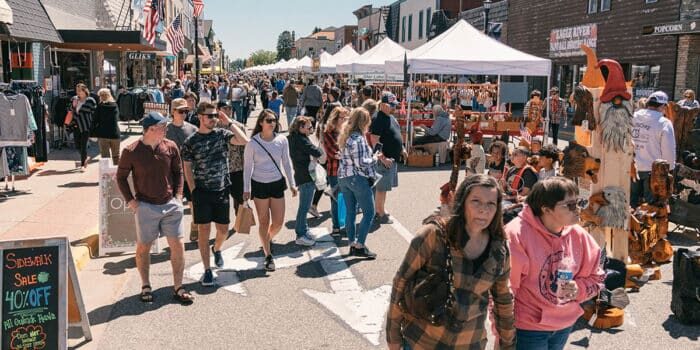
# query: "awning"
[[29, 22], [202, 58], [5, 12], [108, 40]]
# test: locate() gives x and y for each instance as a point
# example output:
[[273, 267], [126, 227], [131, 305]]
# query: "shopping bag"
[[69, 118], [341, 209], [318, 175], [244, 218]]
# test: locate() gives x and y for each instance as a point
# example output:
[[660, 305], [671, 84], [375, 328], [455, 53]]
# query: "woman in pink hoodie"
[[555, 265]]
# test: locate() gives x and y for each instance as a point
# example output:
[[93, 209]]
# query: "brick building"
[[556, 28]]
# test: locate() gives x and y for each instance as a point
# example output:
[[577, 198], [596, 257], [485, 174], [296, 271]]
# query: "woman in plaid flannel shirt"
[[481, 268]]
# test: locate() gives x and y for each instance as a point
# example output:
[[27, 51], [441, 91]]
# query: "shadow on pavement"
[[57, 172], [7, 195], [678, 330], [79, 184], [132, 305]]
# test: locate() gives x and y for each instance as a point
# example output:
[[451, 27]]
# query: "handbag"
[[318, 175], [429, 296], [244, 218], [685, 292], [273, 161], [69, 118]]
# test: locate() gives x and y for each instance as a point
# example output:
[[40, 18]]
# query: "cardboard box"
[[420, 161]]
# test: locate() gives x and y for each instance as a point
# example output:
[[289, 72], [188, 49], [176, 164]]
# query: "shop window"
[[605, 5], [410, 26], [403, 29], [592, 6], [420, 25], [645, 79], [75, 68], [428, 18]]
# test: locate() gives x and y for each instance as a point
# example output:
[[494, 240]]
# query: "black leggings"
[[555, 133], [317, 197], [81, 141]]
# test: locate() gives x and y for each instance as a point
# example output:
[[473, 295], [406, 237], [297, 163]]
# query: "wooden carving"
[[461, 152], [593, 77], [615, 213], [583, 100], [577, 162], [589, 213], [615, 110], [534, 114], [661, 182], [682, 125]]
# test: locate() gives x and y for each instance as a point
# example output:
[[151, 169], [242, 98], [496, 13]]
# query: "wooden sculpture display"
[[583, 101], [577, 162], [682, 118], [615, 110], [660, 183], [461, 152], [607, 208]]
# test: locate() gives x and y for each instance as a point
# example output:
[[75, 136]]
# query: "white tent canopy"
[[289, 67], [463, 49], [304, 64], [346, 55], [373, 60]]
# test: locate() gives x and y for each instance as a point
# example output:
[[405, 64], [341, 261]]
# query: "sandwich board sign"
[[117, 221], [41, 295]]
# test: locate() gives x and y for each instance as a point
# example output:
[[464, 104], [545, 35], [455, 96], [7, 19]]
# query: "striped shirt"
[[474, 285], [356, 158]]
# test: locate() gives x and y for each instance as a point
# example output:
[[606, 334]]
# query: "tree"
[[284, 45], [237, 64], [262, 57], [316, 30]]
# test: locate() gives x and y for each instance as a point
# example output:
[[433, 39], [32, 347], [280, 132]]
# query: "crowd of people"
[[511, 229]]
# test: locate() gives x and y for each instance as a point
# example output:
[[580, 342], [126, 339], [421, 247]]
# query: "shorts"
[[154, 220], [390, 177], [211, 206], [262, 190]]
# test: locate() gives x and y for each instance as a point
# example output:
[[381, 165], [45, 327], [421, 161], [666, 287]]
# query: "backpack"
[[685, 293]]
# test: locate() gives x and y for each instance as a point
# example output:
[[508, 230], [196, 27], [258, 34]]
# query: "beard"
[[616, 126]]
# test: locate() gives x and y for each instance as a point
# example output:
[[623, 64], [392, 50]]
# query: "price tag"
[[12, 112]]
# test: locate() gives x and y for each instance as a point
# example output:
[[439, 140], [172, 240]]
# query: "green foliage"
[[284, 45], [262, 57]]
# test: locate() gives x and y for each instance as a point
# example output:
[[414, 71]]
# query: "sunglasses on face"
[[572, 206], [270, 120], [212, 116]]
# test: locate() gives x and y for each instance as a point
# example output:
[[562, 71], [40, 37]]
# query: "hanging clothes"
[[15, 118]]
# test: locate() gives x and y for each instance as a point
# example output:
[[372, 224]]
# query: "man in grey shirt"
[[178, 131], [440, 131], [312, 98]]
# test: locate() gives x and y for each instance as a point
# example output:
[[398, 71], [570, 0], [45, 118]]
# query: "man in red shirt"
[[156, 167]]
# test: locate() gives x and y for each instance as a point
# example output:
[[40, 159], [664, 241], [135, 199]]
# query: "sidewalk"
[[57, 200]]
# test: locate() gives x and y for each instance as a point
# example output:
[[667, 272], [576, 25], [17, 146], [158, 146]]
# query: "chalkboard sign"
[[34, 295]]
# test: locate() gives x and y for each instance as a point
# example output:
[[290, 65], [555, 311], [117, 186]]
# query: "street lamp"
[[487, 8]]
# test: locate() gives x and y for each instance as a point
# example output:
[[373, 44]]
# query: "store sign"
[[316, 65], [140, 55], [566, 42], [672, 28]]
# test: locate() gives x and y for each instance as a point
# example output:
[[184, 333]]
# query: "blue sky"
[[245, 26]]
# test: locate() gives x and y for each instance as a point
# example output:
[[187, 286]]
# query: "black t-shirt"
[[389, 132], [528, 179]]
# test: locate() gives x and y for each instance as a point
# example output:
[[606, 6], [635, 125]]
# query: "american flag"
[[198, 8], [151, 19], [525, 133], [175, 35]]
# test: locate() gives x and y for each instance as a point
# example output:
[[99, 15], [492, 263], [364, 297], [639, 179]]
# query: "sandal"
[[184, 297], [147, 294]]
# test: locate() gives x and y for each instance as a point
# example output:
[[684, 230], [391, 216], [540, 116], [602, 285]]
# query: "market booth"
[[345, 55], [464, 50]]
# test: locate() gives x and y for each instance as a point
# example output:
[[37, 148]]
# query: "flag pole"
[[196, 54]]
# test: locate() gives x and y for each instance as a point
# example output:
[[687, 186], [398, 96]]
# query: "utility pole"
[[196, 55]]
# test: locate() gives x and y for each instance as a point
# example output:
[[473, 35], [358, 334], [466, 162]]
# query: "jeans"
[[306, 194], [640, 192], [238, 108], [81, 142], [291, 114], [542, 340], [333, 183], [356, 191], [555, 133]]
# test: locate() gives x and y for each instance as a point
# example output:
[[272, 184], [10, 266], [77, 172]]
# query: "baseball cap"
[[153, 118], [659, 97], [179, 103], [223, 104], [389, 98], [522, 150]]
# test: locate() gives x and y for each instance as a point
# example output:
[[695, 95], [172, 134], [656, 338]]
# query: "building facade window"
[[651, 1], [645, 79], [403, 29], [420, 24], [605, 5], [592, 6], [410, 27], [428, 18]]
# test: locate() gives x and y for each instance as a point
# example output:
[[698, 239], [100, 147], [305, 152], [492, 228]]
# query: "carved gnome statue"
[[615, 109]]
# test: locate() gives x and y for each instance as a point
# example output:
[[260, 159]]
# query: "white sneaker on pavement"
[[305, 241]]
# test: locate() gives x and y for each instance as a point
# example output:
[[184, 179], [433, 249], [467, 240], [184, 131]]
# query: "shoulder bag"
[[273, 161], [430, 295]]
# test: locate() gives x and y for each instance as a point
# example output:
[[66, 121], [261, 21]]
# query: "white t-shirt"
[[258, 166], [653, 138]]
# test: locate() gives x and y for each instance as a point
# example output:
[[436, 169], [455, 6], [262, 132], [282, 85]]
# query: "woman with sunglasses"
[[301, 150], [555, 265], [689, 100], [264, 157]]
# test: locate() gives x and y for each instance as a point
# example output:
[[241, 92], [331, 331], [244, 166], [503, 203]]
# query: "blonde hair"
[[689, 91], [370, 105], [333, 118], [358, 122], [105, 95]]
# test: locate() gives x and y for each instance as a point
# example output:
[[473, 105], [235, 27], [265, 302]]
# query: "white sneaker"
[[305, 241], [314, 212]]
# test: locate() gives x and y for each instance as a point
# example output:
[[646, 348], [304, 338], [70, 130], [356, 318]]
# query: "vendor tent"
[[463, 49], [304, 64], [373, 60], [289, 67], [346, 55]]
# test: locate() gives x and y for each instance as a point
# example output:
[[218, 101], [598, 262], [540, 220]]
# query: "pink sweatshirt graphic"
[[535, 257]]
